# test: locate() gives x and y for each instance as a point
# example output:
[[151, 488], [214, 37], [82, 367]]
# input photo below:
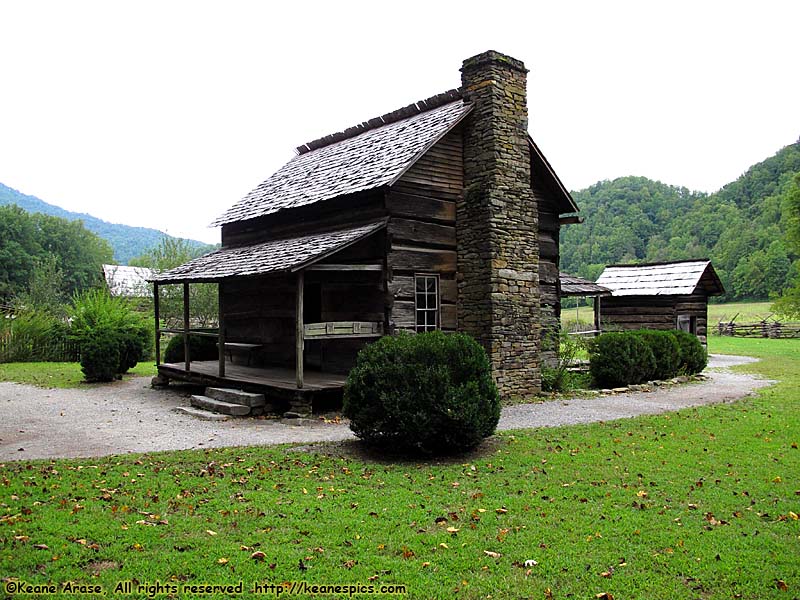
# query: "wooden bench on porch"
[[243, 348]]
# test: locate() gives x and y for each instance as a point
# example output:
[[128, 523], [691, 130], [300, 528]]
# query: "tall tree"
[[789, 303], [203, 297], [27, 240]]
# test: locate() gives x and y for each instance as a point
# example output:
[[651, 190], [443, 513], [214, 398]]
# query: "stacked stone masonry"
[[497, 222]]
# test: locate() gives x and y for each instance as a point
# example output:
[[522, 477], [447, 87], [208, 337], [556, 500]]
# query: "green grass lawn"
[[697, 504], [743, 312], [57, 374]]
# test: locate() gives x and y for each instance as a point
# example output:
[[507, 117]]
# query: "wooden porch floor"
[[267, 377]]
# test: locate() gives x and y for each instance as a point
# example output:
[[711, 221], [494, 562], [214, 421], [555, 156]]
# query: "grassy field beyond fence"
[[702, 503]]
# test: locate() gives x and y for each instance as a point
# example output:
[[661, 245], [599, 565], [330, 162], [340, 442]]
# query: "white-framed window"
[[426, 296]]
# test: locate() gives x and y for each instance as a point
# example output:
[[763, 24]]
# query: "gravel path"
[[131, 416]]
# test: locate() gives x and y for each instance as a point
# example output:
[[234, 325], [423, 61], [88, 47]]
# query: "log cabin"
[[444, 214], [671, 295]]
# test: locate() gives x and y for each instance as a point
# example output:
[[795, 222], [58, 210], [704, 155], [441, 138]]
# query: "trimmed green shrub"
[[429, 393], [101, 321], [618, 359], [693, 357], [201, 347], [100, 356], [665, 350]]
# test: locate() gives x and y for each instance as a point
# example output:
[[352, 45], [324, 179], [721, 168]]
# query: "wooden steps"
[[231, 402]]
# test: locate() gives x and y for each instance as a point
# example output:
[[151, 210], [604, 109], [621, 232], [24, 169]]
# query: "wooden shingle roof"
[[126, 281], [362, 158], [662, 279], [572, 285], [288, 254]]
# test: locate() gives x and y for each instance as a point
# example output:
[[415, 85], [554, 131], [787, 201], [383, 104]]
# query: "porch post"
[[156, 311], [221, 332], [597, 314], [299, 331], [186, 325]]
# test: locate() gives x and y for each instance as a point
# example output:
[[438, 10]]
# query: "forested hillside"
[[127, 242], [741, 228]]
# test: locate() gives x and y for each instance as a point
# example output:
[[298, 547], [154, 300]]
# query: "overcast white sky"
[[164, 113]]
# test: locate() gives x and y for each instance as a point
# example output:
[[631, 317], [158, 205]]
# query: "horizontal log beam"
[[335, 267]]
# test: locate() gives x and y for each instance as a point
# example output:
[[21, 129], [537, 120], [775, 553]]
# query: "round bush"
[[618, 359], [665, 350], [100, 355], [429, 393], [693, 357], [134, 346], [200, 348]]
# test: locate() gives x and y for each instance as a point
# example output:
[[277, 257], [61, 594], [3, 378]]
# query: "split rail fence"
[[762, 329]]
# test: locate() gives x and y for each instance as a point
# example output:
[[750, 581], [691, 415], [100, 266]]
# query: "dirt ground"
[[131, 416]]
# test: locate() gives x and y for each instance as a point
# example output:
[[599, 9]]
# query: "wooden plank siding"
[[422, 232], [654, 312]]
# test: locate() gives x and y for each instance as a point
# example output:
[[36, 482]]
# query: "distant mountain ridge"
[[127, 242], [741, 227]]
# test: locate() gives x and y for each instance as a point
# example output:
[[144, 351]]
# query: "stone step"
[[200, 414], [220, 406], [234, 396]]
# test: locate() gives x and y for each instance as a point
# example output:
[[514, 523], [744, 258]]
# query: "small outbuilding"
[[670, 295]]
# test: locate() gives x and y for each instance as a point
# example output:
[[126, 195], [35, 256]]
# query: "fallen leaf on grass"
[[491, 554], [210, 532], [781, 585], [604, 596], [258, 555], [222, 561], [41, 546], [452, 530]]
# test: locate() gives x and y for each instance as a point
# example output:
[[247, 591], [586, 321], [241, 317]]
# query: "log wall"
[[654, 312], [422, 231], [549, 259]]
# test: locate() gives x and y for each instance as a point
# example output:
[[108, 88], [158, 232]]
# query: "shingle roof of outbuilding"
[[662, 279], [572, 285], [361, 158], [288, 254], [123, 280]]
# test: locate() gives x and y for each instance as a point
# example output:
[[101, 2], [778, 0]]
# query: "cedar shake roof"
[[366, 157], [577, 286], [662, 279], [287, 255]]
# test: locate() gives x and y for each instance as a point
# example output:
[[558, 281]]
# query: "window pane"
[[426, 302]]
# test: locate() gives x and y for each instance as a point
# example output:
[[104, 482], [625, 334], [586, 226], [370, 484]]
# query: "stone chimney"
[[497, 222]]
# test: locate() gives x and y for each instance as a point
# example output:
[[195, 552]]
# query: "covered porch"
[[293, 313]]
